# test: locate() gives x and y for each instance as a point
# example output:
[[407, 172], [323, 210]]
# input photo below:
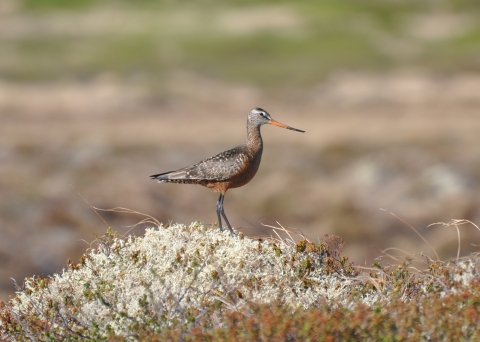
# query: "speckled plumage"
[[219, 167], [229, 169]]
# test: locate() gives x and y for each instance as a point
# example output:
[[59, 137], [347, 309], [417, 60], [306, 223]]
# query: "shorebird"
[[229, 169]]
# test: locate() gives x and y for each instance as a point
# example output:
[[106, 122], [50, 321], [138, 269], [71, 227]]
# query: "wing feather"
[[221, 166]]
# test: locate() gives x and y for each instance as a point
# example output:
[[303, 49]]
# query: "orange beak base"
[[276, 123]]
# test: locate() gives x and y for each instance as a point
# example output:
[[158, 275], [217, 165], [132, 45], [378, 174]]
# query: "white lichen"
[[176, 269]]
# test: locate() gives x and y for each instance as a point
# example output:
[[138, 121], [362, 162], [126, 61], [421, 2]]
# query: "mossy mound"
[[178, 279]]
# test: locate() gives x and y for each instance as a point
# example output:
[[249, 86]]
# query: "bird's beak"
[[276, 123]]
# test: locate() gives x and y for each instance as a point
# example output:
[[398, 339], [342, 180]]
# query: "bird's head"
[[259, 116]]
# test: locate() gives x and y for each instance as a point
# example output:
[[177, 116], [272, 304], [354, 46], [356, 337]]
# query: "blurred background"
[[95, 96]]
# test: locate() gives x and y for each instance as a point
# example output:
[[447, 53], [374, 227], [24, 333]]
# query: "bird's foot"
[[232, 232], [219, 225]]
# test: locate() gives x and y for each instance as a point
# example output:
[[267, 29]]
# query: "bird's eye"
[[262, 114]]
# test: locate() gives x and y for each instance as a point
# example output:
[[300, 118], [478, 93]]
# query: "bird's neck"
[[254, 139]]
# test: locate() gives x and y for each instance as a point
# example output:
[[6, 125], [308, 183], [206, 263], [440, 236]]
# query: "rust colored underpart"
[[243, 175], [216, 186]]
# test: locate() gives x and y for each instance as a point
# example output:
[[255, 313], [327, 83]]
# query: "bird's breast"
[[247, 171]]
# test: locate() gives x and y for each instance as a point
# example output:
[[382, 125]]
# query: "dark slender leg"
[[225, 216], [219, 208]]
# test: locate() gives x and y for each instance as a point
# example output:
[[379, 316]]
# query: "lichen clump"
[[177, 281], [178, 274]]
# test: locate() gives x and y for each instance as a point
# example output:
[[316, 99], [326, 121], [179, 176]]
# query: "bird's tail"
[[161, 176], [171, 176]]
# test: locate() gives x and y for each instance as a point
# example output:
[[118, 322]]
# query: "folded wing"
[[221, 166]]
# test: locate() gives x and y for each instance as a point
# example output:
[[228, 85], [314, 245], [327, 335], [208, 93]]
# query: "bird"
[[229, 169]]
